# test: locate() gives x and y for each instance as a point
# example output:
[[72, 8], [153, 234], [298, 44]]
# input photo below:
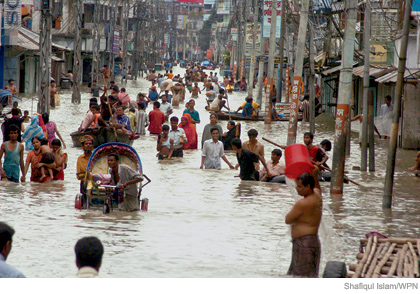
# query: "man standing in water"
[[82, 162], [13, 151], [126, 179], [305, 218]]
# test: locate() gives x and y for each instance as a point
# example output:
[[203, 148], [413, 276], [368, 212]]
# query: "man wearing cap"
[[153, 94]]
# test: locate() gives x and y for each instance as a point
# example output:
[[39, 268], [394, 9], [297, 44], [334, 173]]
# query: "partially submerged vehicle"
[[96, 187]]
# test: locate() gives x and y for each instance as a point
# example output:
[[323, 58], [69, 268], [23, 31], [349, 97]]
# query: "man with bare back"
[[305, 218]]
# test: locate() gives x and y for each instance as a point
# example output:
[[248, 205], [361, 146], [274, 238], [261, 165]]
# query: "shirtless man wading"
[[304, 218]]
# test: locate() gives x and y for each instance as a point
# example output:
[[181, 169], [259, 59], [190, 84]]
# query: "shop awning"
[[30, 40], [409, 74], [374, 71]]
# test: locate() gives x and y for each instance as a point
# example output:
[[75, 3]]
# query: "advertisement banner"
[[116, 42], [12, 20], [209, 54], [249, 36], [234, 34], [267, 11]]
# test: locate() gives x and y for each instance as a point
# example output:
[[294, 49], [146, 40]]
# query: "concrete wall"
[[11, 70], [411, 117]]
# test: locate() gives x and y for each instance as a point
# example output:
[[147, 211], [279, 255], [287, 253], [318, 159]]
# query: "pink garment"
[[124, 98], [50, 131]]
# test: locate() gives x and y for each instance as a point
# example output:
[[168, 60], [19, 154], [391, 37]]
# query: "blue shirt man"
[[195, 116], [123, 119], [6, 234]]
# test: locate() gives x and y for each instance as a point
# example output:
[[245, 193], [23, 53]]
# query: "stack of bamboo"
[[387, 258]]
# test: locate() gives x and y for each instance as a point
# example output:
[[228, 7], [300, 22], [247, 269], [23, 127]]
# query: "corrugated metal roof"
[[391, 77], [34, 38], [27, 43], [373, 71]]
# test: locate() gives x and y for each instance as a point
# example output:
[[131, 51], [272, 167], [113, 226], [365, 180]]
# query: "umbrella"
[[205, 63]]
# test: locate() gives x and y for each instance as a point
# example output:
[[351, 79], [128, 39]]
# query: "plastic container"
[[297, 161]]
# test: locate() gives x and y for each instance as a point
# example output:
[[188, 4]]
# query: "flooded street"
[[200, 223]]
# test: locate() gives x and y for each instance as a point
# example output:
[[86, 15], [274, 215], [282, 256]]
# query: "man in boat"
[[123, 124], [82, 161], [125, 178], [6, 239], [316, 154], [212, 152], [254, 105], [246, 160], [89, 252], [275, 168], [305, 218]]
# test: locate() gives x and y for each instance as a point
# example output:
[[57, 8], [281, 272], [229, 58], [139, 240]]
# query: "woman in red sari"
[[33, 159], [190, 132]]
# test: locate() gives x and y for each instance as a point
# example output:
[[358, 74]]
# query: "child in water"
[[47, 158]]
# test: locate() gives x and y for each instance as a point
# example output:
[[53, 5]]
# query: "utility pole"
[[282, 40], [254, 42], [45, 58], [364, 127], [125, 30], [392, 152], [95, 43], [297, 77], [77, 51], [344, 99], [312, 80], [111, 39], [270, 76]]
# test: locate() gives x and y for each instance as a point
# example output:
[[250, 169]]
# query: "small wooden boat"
[[101, 136], [237, 116], [96, 189]]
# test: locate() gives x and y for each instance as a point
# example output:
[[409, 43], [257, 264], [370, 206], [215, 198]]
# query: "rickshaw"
[[96, 188]]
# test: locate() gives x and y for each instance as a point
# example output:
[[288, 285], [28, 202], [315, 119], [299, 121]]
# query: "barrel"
[[297, 161]]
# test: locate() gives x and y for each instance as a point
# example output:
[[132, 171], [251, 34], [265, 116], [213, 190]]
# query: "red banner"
[[189, 1], [209, 54]]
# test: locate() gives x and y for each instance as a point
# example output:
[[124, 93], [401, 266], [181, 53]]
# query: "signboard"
[[223, 7], [12, 20], [234, 34], [116, 42], [267, 11], [249, 36], [263, 58], [181, 23], [209, 54], [248, 62]]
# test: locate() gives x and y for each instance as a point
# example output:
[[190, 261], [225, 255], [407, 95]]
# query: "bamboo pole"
[[384, 250], [393, 266], [415, 260], [374, 261], [392, 152], [395, 240], [380, 265], [418, 246], [401, 258], [370, 256], [360, 265]]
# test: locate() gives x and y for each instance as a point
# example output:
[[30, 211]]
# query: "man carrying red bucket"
[[305, 216]]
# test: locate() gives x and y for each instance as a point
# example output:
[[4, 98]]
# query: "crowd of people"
[[117, 110]]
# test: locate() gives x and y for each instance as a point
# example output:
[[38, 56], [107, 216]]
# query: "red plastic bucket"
[[297, 161]]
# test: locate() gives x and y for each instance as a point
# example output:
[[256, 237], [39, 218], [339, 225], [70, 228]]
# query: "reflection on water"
[[199, 223]]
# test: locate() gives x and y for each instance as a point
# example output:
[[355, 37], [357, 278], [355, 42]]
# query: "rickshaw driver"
[[125, 178]]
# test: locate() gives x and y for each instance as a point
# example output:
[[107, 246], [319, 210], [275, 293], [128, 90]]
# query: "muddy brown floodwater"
[[199, 223]]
